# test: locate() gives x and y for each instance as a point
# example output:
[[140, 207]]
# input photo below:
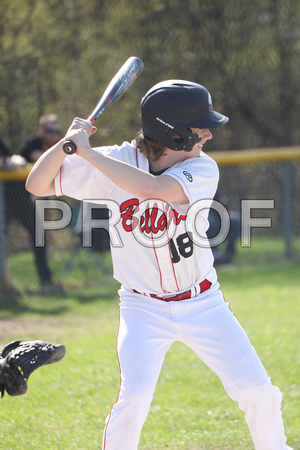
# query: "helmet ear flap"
[[182, 138], [178, 139], [166, 131]]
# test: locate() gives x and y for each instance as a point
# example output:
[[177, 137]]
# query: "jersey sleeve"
[[78, 178], [198, 177]]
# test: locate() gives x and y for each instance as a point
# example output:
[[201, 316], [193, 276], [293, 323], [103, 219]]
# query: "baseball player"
[[159, 188]]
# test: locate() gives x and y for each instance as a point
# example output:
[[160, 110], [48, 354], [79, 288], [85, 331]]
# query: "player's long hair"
[[152, 149]]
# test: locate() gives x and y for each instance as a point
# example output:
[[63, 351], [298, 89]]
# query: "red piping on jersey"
[[160, 274], [173, 268]]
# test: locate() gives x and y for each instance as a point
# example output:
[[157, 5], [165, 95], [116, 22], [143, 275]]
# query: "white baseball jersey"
[[152, 242]]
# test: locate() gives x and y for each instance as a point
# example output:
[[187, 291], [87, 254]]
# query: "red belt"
[[204, 285]]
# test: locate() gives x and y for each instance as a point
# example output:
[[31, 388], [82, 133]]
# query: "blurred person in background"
[[48, 134], [19, 204]]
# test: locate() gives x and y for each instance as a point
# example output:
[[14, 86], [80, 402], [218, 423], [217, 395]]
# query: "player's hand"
[[83, 124], [79, 132]]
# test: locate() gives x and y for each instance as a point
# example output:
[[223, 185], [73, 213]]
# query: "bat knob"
[[69, 147]]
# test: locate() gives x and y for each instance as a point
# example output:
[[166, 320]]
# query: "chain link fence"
[[64, 259], [61, 260]]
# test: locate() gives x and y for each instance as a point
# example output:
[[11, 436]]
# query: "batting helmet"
[[171, 108]]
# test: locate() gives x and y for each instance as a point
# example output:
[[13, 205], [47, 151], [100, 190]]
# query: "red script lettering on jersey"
[[153, 218]]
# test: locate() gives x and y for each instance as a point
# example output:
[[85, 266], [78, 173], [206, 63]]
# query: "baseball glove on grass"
[[19, 359]]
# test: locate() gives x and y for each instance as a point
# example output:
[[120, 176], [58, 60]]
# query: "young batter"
[[159, 188]]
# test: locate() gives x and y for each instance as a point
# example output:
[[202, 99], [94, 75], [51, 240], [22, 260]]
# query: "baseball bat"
[[116, 88]]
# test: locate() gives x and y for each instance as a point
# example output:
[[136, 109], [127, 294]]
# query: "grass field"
[[67, 403]]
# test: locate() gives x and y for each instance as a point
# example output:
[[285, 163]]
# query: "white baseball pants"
[[205, 323]]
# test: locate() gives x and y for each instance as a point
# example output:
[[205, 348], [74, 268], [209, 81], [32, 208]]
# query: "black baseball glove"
[[19, 359]]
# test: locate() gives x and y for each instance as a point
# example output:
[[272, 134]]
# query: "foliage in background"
[[58, 55]]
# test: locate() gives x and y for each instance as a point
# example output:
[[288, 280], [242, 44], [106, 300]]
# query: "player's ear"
[[94, 129]]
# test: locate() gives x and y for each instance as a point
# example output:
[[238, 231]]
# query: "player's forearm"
[[133, 180], [40, 181]]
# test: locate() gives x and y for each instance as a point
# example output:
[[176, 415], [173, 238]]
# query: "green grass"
[[67, 403]]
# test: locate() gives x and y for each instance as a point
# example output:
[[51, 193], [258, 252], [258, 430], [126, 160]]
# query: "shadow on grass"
[[17, 307], [59, 304], [261, 265]]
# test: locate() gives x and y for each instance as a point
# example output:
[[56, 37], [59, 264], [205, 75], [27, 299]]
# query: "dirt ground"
[[29, 329]]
